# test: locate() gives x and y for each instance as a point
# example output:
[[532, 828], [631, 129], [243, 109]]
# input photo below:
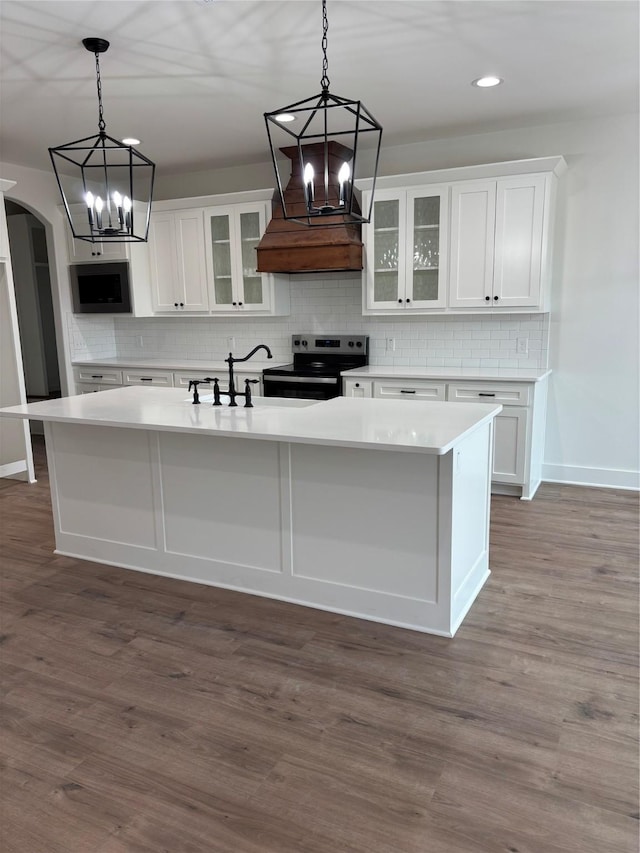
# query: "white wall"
[[592, 431], [38, 192]]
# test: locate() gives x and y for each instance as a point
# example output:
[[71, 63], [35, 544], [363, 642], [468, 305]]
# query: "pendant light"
[[106, 185], [325, 134]]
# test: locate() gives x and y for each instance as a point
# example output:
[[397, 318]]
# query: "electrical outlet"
[[231, 343], [391, 345], [522, 346]]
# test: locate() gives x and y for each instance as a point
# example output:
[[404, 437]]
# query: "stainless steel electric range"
[[318, 361]]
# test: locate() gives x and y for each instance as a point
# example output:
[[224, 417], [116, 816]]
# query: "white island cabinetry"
[[369, 508]]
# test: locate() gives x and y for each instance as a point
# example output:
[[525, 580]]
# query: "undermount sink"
[[260, 402]]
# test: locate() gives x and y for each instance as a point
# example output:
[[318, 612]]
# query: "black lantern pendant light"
[[106, 186], [328, 131]]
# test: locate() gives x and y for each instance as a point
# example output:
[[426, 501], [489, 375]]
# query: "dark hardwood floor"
[[147, 715]]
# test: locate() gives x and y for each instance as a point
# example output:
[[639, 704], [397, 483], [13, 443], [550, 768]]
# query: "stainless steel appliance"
[[317, 363]]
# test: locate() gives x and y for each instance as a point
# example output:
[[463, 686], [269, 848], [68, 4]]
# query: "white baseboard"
[[13, 468], [604, 478]]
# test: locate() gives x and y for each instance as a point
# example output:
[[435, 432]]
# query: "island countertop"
[[423, 427]]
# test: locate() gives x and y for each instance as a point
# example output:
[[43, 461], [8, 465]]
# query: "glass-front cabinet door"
[[385, 258], [254, 292], [233, 234], [427, 218], [406, 250]]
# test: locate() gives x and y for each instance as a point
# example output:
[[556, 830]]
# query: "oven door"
[[302, 387]]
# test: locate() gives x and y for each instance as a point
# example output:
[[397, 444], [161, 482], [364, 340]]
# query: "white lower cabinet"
[[357, 388], [410, 389], [158, 378], [519, 428], [91, 379]]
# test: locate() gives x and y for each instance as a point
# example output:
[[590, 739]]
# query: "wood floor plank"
[[149, 715]]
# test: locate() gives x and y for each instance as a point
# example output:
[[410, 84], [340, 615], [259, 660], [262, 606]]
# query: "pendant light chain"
[[324, 82], [101, 122]]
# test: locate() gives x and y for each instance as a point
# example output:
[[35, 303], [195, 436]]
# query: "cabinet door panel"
[[254, 294], [518, 244], [162, 261], [509, 445], [427, 222], [385, 262], [473, 211], [220, 263], [192, 271], [357, 388]]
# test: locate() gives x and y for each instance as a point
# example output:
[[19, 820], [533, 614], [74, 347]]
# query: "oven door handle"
[[302, 380]]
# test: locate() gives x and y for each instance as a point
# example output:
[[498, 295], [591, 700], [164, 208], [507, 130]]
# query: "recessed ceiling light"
[[487, 82], [129, 140], [285, 117]]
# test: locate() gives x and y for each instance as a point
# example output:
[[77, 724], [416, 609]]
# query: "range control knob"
[[304, 343], [359, 344], [296, 343], [350, 343]]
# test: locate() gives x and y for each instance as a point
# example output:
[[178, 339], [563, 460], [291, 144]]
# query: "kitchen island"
[[364, 507]]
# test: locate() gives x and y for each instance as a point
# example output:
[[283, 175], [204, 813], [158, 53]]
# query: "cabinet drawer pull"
[[403, 391], [96, 375], [483, 394], [146, 379]]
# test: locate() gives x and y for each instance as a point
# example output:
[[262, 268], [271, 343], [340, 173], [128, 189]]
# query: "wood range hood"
[[326, 245]]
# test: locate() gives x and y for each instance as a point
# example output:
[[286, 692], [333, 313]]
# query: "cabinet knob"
[[400, 301], [487, 298], [175, 304], [239, 303], [182, 304], [357, 384], [495, 298], [234, 303], [407, 301]]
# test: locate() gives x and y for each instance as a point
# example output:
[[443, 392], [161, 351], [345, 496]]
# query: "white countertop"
[[424, 427], [254, 365], [498, 374]]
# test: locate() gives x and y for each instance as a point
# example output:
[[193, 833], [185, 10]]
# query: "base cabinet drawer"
[[486, 392], [359, 388], [160, 378], [99, 375], [417, 389]]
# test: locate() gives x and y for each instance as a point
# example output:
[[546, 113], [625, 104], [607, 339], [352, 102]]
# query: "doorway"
[[34, 305]]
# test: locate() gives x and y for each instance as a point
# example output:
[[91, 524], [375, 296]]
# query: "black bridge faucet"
[[232, 386]]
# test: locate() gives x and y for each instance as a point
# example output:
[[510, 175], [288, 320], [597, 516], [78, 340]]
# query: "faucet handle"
[[193, 383], [247, 392]]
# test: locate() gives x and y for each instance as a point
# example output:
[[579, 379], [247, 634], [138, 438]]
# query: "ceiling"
[[192, 78]]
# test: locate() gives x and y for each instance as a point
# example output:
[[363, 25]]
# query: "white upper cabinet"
[[81, 251], [232, 234], [471, 239], [406, 250], [497, 243], [178, 273]]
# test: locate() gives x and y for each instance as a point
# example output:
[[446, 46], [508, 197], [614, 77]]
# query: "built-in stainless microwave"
[[100, 288]]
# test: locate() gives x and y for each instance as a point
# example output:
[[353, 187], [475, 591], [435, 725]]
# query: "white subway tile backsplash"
[[322, 304]]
